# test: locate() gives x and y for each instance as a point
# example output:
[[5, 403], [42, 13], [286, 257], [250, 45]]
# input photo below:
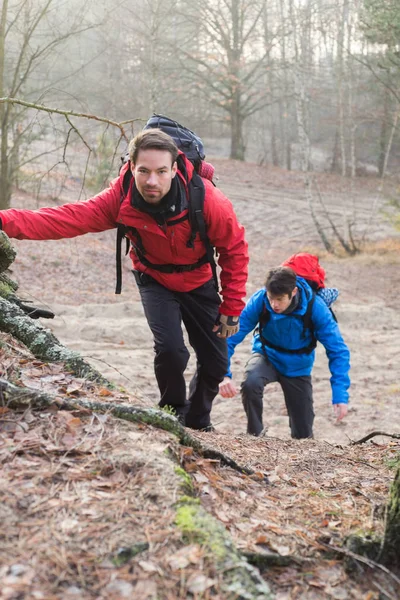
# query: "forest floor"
[[77, 488]]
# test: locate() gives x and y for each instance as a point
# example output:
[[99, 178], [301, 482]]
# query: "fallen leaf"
[[316, 583], [185, 556], [222, 516], [149, 567], [105, 392], [197, 584], [262, 539]]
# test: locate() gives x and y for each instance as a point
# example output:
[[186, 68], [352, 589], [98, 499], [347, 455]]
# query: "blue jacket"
[[287, 331]]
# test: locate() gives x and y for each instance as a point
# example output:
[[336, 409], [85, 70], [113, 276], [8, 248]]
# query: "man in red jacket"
[[171, 268]]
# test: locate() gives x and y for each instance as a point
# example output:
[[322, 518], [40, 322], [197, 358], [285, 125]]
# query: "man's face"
[[153, 174], [280, 303]]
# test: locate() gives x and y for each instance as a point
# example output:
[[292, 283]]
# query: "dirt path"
[[76, 278]]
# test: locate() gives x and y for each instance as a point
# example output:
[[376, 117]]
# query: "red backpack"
[[307, 266]]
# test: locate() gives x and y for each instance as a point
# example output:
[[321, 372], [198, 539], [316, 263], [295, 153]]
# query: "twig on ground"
[[396, 436], [362, 559]]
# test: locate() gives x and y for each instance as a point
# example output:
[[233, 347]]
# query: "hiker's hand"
[[227, 388], [226, 326], [340, 411]]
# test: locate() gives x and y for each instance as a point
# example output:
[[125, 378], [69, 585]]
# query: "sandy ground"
[[75, 278]]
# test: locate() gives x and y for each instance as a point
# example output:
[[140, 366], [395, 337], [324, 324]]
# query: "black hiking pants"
[[165, 310], [297, 392]]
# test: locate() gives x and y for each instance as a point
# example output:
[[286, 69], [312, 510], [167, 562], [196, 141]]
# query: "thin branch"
[[69, 113], [362, 559], [396, 436], [335, 230]]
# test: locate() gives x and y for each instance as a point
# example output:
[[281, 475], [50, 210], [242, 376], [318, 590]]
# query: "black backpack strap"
[[198, 223], [121, 233], [333, 314]]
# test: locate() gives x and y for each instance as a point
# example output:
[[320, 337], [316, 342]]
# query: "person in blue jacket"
[[288, 318]]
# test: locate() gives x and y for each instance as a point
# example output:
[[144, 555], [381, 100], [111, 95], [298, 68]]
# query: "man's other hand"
[[340, 411], [227, 388], [226, 326]]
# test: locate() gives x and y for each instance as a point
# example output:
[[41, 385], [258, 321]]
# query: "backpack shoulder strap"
[[264, 318], [308, 323], [307, 317], [126, 182], [197, 221], [121, 231]]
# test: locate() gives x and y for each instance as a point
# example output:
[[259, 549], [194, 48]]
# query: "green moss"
[[5, 290], [188, 500], [199, 527], [393, 462], [186, 482]]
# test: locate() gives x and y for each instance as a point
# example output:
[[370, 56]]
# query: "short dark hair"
[[152, 139], [280, 281]]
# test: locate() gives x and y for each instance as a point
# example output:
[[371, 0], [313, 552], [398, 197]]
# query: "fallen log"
[[42, 343], [7, 252]]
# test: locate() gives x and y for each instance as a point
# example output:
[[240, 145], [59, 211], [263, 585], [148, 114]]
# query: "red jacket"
[[163, 245]]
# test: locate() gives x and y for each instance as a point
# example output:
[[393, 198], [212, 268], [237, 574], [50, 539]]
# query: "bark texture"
[[391, 543]]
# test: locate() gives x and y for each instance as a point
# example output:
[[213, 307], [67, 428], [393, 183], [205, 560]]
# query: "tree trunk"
[[341, 86], [237, 145], [5, 188], [391, 544], [383, 140]]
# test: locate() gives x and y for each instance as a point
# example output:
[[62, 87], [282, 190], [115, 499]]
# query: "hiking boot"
[[181, 418], [208, 429]]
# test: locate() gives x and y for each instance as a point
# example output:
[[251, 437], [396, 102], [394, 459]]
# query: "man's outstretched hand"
[[227, 388], [340, 411]]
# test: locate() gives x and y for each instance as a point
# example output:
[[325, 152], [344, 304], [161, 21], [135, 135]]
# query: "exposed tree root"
[[264, 560], [239, 579], [16, 398]]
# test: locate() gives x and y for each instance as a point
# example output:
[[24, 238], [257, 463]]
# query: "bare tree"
[[30, 33], [227, 61]]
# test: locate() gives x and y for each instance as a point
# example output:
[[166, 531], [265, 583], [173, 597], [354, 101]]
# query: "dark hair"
[[280, 281], [152, 139]]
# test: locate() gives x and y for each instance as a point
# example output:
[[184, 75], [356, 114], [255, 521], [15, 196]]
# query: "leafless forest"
[[301, 84]]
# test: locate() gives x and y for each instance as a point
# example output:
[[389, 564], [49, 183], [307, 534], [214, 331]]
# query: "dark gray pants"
[[165, 310], [297, 392]]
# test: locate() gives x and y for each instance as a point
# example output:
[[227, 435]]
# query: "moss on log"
[[42, 343], [7, 286], [239, 580], [7, 252]]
